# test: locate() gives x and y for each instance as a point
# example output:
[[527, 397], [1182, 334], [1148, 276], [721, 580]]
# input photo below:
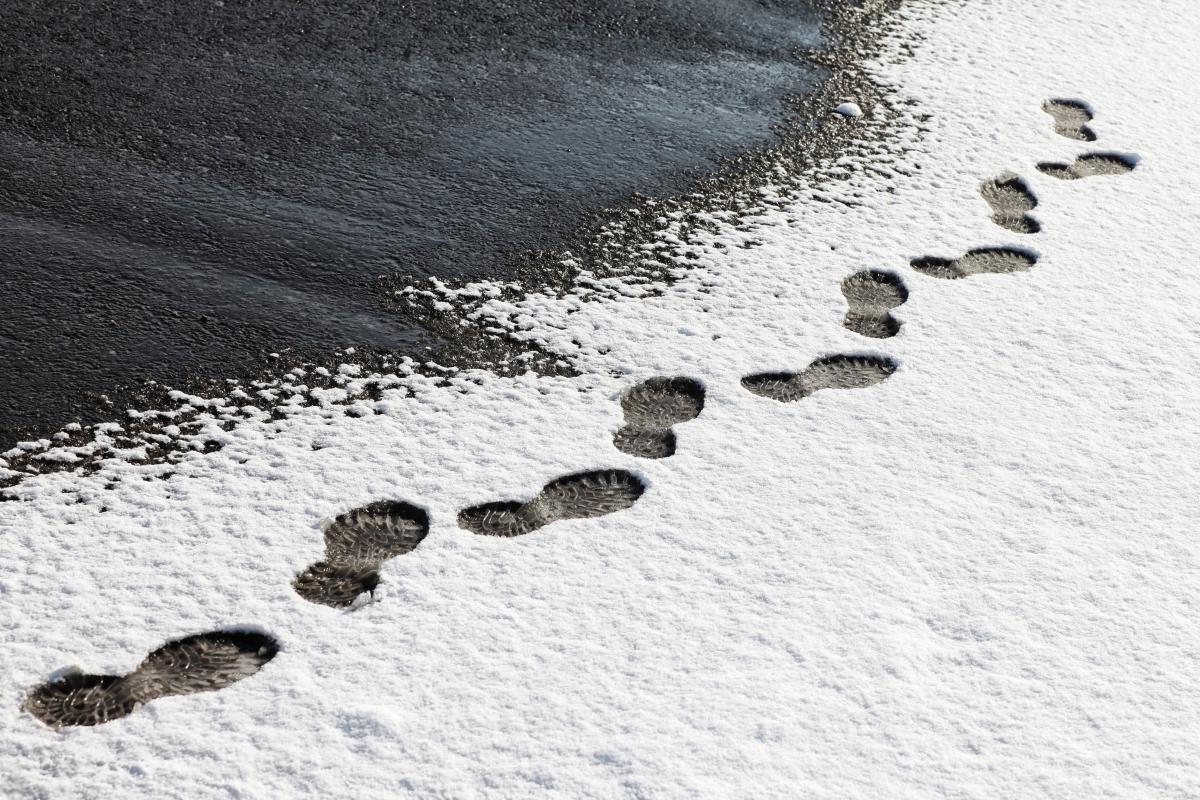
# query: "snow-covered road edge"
[[975, 579]]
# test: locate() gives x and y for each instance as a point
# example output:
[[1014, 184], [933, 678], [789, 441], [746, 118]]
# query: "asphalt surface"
[[187, 186]]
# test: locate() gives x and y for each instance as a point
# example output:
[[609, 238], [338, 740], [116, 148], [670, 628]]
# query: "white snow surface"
[[978, 579]]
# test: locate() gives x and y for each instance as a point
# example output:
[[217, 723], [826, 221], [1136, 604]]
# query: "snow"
[[849, 109], [977, 579]]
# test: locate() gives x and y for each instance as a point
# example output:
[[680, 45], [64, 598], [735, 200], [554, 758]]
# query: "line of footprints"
[[358, 542]]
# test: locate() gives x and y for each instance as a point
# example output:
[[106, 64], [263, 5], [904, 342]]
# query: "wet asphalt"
[[186, 187]]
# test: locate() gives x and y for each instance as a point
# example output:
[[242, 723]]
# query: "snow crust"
[[977, 579]]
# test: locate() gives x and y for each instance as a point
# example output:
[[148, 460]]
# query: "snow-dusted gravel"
[[977, 578]]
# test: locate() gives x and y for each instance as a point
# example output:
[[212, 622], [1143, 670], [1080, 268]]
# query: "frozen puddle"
[[972, 574]]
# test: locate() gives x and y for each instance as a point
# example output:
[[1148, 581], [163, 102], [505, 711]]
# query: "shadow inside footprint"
[[356, 545], [976, 262], [1090, 165], [579, 496], [871, 295], [832, 372], [1010, 199], [202, 663], [651, 408], [1070, 119]]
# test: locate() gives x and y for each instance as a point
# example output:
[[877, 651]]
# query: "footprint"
[[651, 408], [871, 294], [579, 496], [832, 372], [356, 545], [1011, 200], [1089, 165], [1070, 119], [203, 663], [976, 262]]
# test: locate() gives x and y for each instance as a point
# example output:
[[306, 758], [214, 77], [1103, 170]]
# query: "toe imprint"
[[871, 295], [1089, 165], [976, 262], [1070, 119], [579, 496], [832, 372], [203, 663], [375, 533], [1010, 200], [356, 545], [651, 408]]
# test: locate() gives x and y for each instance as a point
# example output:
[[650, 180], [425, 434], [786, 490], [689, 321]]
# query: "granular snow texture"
[[976, 579]]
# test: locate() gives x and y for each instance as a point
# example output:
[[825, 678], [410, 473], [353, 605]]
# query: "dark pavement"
[[186, 186]]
